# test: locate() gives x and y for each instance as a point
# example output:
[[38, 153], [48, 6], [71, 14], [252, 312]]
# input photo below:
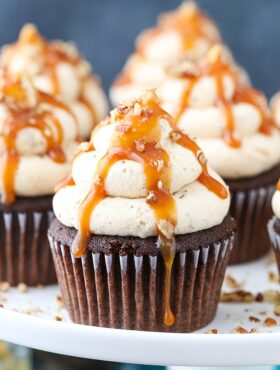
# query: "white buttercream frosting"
[[57, 68], [276, 203], [125, 210], [33, 128], [204, 114]]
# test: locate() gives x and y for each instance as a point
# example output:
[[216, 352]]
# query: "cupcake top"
[[38, 137], [276, 201], [57, 68], [231, 120], [187, 31], [140, 176]]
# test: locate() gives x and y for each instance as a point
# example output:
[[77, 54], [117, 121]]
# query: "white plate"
[[29, 319]]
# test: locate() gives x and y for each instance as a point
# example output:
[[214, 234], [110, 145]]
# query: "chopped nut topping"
[[277, 310], [253, 331], [272, 296], [259, 297], [186, 69], [159, 164], [212, 331], [22, 288], [84, 147], [140, 145], [160, 185], [166, 228], [122, 128], [254, 319], [151, 198], [272, 277], [175, 136], [239, 330], [157, 146], [4, 286], [232, 283], [214, 54], [239, 296], [60, 302], [270, 322], [137, 109]]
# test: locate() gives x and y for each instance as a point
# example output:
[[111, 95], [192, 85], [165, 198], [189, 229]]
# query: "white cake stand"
[[30, 319]]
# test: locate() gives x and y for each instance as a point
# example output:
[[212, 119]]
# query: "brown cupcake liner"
[[24, 253], [251, 210], [127, 291], [275, 240]]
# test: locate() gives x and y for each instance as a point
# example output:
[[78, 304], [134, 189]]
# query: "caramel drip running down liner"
[[137, 138]]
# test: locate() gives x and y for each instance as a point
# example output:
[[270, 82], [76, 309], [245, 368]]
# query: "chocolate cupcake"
[[142, 234], [189, 34], [38, 138], [57, 68], [274, 225], [234, 127]]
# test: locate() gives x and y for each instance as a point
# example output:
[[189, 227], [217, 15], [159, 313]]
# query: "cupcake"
[[38, 138], [234, 127], [142, 234], [57, 68], [188, 32], [274, 225]]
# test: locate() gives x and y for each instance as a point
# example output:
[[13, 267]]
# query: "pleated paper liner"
[[251, 210], [24, 252], [126, 291], [275, 239]]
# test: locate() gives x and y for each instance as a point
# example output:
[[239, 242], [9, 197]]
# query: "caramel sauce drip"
[[50, 54], [22, 116], [278, 185], [217, 69], [137, 138]]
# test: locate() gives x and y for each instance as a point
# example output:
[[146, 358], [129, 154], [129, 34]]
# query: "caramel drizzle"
[[51, 54], [137, 139], [187, 20], [278, 185], [21, 118], [217, 69]]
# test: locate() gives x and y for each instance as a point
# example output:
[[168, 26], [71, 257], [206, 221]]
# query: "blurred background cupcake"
[[234, 127], [186, 33], [38, 138], [56, 68], [148, 223]]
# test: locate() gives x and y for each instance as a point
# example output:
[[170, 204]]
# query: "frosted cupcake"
[[189, 34], [234, 127], [142, 234], [58, 69], [274, 224], [38, 139]]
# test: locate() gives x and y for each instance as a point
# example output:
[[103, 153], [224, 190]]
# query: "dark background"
[[104, 30]]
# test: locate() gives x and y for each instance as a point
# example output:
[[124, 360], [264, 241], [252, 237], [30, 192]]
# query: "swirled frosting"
[[184, 34], [38, 138], [230, 120], [140, 160], [276, 201], [140, 176], [57, 68]]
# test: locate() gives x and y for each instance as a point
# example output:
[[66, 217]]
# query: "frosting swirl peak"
[[231, 120]]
